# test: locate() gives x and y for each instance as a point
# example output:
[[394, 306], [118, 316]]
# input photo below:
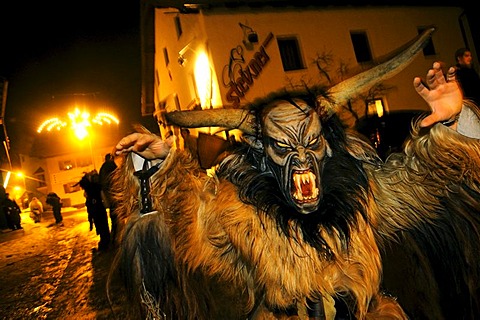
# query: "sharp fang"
[[304, 178]]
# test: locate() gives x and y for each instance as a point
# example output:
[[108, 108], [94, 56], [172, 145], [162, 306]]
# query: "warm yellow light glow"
[[80, 131], [17, 190], [379, 106], [375, 107], [103, 117], [79, 122], [7, 178], [53, 123], [203, 79]]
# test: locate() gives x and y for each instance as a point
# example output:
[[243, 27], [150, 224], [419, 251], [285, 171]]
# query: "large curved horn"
[[350, 88], [228, 118]]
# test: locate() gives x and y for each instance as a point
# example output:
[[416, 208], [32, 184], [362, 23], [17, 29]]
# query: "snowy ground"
[[55, 272]]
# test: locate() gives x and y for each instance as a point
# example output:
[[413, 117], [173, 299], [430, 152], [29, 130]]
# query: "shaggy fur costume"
[[226, 246]]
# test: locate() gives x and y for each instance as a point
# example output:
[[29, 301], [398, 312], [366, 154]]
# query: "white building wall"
[[318, 31], [174, 78], [57, 178]]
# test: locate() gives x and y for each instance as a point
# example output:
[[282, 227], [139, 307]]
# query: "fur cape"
[[223, 246]]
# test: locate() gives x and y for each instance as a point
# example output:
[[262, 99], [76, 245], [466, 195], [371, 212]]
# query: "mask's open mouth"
[[304, 186]]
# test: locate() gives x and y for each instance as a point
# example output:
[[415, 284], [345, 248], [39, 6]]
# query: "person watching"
[[467, 76]]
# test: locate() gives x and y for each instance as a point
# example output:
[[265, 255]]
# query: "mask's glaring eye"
[[314, 144], [281, 147]]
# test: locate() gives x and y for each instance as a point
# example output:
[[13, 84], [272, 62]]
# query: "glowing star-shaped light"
[[79, 122], [105, 118], [50, 124]]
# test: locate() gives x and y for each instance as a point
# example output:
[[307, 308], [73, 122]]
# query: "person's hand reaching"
[[443, 95]]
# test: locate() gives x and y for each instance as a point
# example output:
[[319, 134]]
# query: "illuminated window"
[[361, 46], [290, 53], [375, 107], [66, 165]]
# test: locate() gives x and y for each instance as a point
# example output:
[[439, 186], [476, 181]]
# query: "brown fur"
[[434, 220], [207, 255]]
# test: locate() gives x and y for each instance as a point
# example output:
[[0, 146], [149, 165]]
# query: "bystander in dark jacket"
[[106, 171], [97, 213], [56, 203], [3, 215], [12, 211]]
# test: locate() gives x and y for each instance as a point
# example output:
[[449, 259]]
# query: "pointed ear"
[[253, 142]]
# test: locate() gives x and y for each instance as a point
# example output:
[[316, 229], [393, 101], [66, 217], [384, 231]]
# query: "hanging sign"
[[241, 75]]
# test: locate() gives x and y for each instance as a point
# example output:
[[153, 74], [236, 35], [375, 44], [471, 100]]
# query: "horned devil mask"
[[288, 136], [292, 149]]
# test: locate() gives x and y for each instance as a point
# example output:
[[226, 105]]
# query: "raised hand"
[[148, 146], [443, 95]]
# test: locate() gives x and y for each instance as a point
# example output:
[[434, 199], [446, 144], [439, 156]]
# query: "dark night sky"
[[54, 50]]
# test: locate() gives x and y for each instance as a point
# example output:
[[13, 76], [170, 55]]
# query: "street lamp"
[[81, 124], [15, 183], [17, 189]]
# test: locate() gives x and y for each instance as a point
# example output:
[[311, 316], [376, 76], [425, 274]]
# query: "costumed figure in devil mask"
[[302, 219]]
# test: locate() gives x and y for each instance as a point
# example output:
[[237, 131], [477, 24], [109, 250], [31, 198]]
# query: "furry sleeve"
[[437, 176], [427, 200]]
